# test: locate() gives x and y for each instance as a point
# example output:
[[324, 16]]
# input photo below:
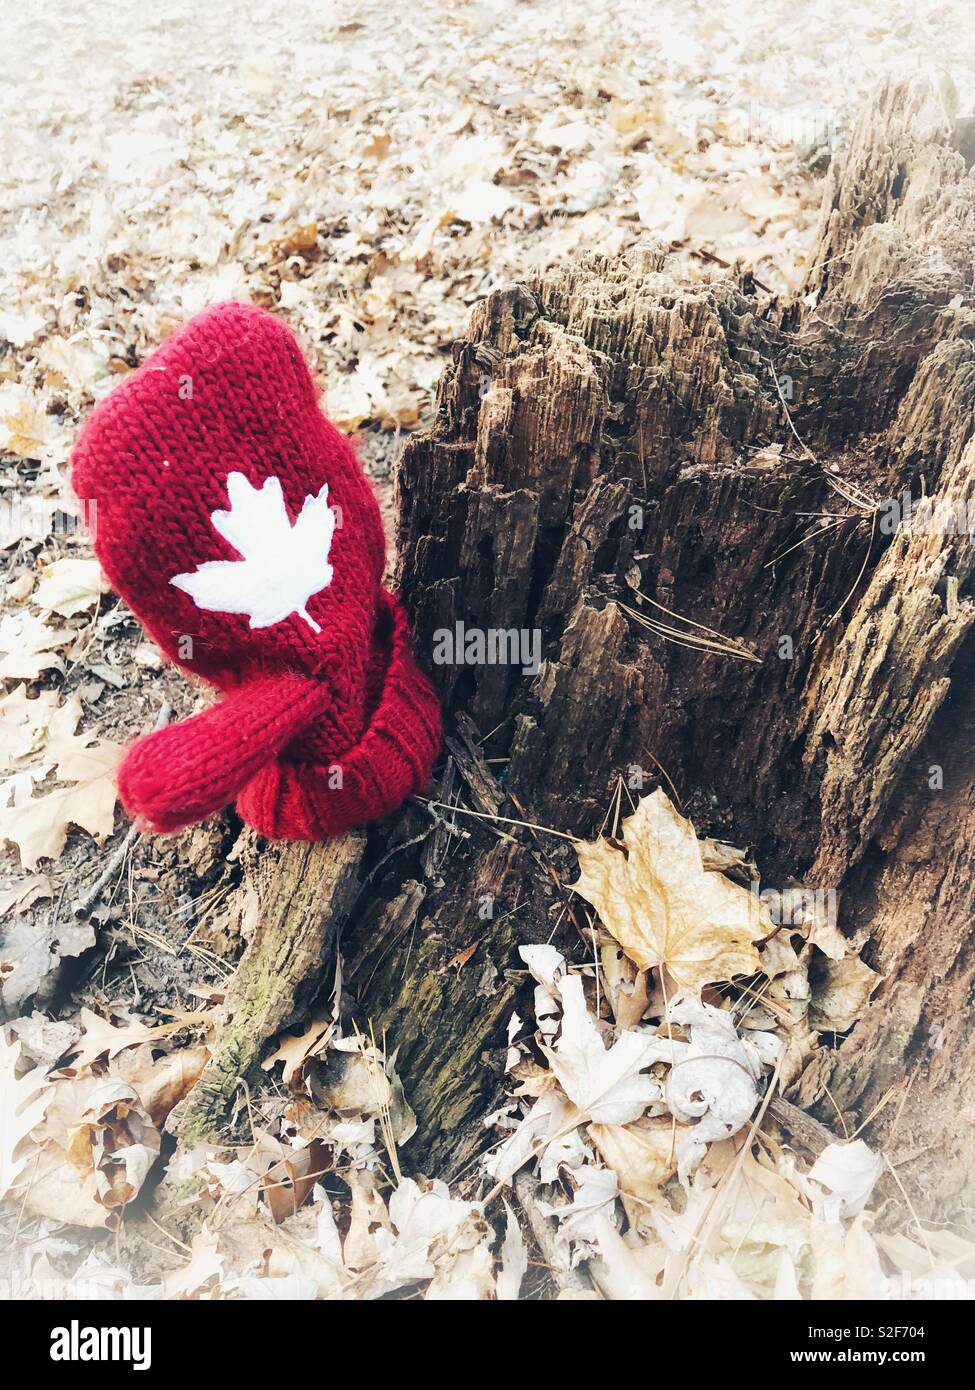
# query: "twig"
[[83, 907], [704, 255], [804, 1128], [568, 1279]]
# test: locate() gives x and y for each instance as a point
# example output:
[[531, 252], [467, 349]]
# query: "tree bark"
[[613, 445], [297, 897]]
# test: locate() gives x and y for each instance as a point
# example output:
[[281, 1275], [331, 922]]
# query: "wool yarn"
[[236, 522]]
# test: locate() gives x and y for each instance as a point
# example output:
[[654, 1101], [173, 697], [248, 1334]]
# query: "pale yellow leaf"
[[205, 1263], [28, 646], [70, 586], [642, 1155], [664, 908], [846, 1265]]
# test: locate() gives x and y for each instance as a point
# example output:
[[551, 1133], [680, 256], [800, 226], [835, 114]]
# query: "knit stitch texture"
[[327, 722]]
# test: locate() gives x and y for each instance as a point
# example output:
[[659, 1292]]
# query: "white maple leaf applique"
[[282, 565]]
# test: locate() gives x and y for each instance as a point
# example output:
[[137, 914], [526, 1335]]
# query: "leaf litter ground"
[[369, 177]]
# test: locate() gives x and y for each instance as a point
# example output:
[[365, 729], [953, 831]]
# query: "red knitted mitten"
[[236, 522]]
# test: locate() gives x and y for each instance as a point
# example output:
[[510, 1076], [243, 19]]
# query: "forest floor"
[[368, 174]]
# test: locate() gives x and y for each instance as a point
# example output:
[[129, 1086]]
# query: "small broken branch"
[[570, 1281]]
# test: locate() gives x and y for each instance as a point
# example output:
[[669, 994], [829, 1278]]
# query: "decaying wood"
[[301, 895], [614, 444], [804, 1130]]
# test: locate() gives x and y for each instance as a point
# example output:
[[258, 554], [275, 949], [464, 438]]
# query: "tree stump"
[[622, 465]]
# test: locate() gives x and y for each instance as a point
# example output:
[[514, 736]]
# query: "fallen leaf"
[[28, 646], [60, 1193], [712, 1085], [39, 827], [514, 1259], [481, 201], [626, 987], [378, 146], [20, 328], [664, 908], [205, 1265], [841, 991], [550, 1124], [44, 1040], [302, 238], [295, 1050], [643, 1155], [290, 1184], [70, 586], [626, 1272], [849, 1172], [605, 1084], [846, 1264], [23, 1103], [161, 1082], [459, 960], [97, 1127], [369, 1216], [24, 727], [595, 1190], [25, 893], [102, 1038], [32, 953], [26, 429]]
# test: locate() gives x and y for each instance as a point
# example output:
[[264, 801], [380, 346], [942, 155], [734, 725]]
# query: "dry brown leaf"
[[25, 893], [459, 960], [44, 1039], [70, 586], [300, 239], [31, 954], [24, 727], [97, 1147], [104, 1039], [39, 827], [627, 988], [291, 1180], [58, 1191], [295, 1051], [369, 1214], [161, 1082], [379, 145], [28, 646], [664, 908], [841, 991], [26, 429], [289, 1256]]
